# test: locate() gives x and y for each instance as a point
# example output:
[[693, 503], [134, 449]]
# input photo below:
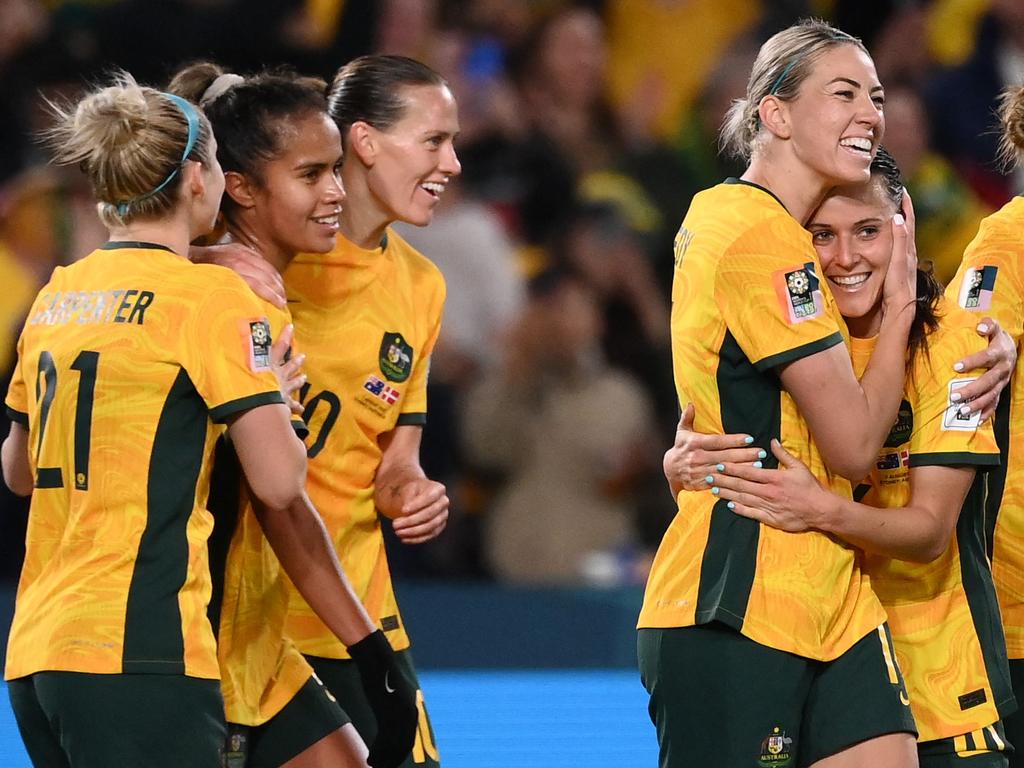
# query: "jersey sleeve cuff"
[[17, 416], [300, 428], [984, 461], [411, 419], [796, 353], [221, 412]]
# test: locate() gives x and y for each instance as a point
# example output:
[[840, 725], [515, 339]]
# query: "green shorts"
[[984, 748], [312, 714], [342, 679], [718, 698], [1014, 724], [98, 721]]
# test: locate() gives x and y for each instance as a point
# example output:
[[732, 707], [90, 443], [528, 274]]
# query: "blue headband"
[[192, 117], [781, 77]]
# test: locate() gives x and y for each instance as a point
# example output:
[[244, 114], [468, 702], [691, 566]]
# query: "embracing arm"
[[850, 419], [403, 492], [17, 470], [257, 272], [791, 499], [274, 462]]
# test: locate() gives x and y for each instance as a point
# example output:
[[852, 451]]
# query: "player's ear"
[[775, 116], [240, 188], [363, 142], [192, 176]]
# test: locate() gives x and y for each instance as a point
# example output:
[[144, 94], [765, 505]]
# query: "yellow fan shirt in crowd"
[[660, 54], [746, 299], [261, 670], [990, 282], [943, 615], [367, 321], [129, 361]]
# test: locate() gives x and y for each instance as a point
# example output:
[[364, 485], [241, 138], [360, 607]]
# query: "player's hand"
[[392, 697], [899, 290], [422, 506], [289, 373], [694, 455], [790, 499], [259, 275], [1000, 358]]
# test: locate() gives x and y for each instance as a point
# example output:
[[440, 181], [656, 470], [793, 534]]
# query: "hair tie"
[[219, 86], [192, 118]]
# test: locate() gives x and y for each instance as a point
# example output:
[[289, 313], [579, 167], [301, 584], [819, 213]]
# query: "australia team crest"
[[776, 749], [395, 357]]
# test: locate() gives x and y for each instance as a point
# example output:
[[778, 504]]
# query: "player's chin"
[[418, 216]]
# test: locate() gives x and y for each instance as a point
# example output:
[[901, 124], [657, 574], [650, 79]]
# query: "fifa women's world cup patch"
[[977, 288], [799, 292], [256, 333]]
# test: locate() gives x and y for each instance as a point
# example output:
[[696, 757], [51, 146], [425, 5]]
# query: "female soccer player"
[[131, 362], [991, 281], [788, 621], [921, 519], [281, 153], [368, 314]]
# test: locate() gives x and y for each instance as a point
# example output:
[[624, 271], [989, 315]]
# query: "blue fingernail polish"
[[762, 454], [709, 479], [748, 439], [715, 490], [731, 505], [757, 464], [720, 467]]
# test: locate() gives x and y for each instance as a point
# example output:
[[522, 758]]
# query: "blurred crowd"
[[586, 128]]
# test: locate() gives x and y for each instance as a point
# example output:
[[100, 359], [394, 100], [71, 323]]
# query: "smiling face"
[[836, 121], [299, 195], [852, 233], [415, 158]]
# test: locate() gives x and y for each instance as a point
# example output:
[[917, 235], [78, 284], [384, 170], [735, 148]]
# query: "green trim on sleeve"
[[220, 413], [17, 416], [411, 419], [300, 428], [954, 459], [804, 350]]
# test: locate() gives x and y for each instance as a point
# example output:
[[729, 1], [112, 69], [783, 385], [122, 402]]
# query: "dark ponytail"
[[929, 289], [369, 89]]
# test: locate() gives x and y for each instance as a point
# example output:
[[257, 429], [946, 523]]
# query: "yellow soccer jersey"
[[990, 281], [128, 361], [368, 321], [746, 300], [261, 670], [943, 615]]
